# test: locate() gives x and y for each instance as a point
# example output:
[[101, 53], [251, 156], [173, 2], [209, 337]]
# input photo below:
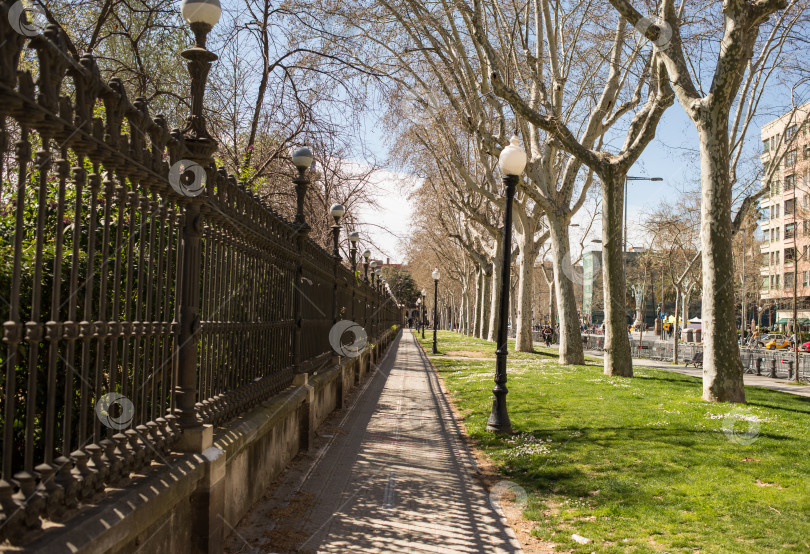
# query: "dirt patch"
[[487, 474]]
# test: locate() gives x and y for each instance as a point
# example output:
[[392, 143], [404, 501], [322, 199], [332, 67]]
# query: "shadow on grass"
[[782, 408], [580, 461]]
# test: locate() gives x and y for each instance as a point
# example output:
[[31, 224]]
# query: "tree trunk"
[[523, 338], [722, 367], [685, 306], [570, 340], [513, 312], [675, 329], [464, 316], [485, 302], [617, 345], [479, 293], [494, 297], [551, 302]]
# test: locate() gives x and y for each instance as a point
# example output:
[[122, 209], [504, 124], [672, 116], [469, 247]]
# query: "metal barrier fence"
[[758, 361], [133, 308]]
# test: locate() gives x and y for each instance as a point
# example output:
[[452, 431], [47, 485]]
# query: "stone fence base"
[[191, 502]]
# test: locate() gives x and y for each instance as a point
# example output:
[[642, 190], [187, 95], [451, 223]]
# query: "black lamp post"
[[512, 163], [201, 16], [337, 211], [423, 312], [373, 265], [366, 256], [302, 160], [435, 276], [378, 272], [353, 238]]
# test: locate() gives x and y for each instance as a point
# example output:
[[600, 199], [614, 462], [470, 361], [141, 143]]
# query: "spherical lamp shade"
[[201, 11], [513, 159], [354, 237], [372, 264], [424, 292], [435, 274], [302, 158], [367, 254], [378, 271], [337, 211]]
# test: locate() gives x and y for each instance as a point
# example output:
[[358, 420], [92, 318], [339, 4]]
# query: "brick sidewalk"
[[388, 473]]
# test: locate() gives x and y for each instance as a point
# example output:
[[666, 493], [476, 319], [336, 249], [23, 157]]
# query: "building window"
[[804, 250], [806, 152], [791, 158], [766, 145], [777, 258], [772, 235], [777, 234], [776, 209], [777, 281], [804, 278], [771, 281], [765, 283], [790, 132], [806, 201], [790, 182], [789, 280], [789, 204], [804, 227], [790, 255], [790, 231]]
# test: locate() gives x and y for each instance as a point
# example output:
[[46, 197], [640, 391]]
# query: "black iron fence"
[[132, 307], [779, 364]]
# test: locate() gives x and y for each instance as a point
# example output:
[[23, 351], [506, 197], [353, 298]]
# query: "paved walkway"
[[388, 473], [751, 380]]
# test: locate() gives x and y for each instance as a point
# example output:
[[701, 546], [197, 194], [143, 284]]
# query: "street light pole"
[[512, 162], [435, 276], [627, 179], [353, 238], [337, 211], [201, 16], [366, 256]]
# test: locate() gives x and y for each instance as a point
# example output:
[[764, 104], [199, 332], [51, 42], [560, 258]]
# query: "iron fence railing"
[[130, 308], [779, 364]]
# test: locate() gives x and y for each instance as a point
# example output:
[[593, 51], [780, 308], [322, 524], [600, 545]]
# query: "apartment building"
[[785, 221]]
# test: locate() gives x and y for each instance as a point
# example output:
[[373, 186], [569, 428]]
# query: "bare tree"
[[535, 107], [736, 71]]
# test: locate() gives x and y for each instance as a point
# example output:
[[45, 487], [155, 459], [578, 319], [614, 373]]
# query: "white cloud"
[[387, 225]]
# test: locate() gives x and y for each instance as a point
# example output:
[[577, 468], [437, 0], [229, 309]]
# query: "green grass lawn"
[[641, 464], [454, 344]]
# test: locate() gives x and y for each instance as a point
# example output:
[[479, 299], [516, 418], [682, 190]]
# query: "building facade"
[[785, 218]]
